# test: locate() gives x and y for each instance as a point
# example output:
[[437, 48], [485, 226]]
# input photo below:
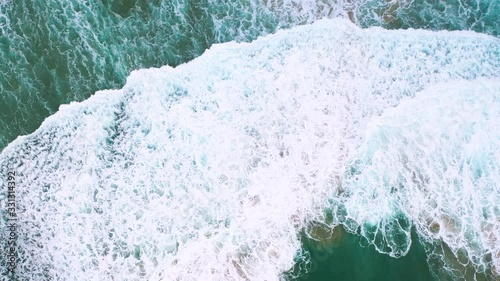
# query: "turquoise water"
[[348, 257], [349, 148], [55, 52]]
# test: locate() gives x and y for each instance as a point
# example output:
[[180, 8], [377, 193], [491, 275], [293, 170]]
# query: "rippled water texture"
[[350, 148], [224, 166], [54, 52]]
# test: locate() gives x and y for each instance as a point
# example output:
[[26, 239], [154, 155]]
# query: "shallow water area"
[[347, 257]]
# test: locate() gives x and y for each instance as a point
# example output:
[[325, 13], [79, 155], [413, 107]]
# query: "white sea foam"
[[434, 158], [209, 170]]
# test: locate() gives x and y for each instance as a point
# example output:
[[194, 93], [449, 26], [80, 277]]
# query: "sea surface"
[[251, 140]]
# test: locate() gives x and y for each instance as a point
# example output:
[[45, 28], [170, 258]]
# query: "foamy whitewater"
[[209, 171]]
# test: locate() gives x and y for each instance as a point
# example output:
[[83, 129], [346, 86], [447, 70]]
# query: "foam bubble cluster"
[[434, 160], [57, 51], [211, 169]]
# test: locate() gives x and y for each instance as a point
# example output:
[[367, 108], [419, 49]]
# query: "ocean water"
[[324, 140], [55, 52], [346, 257]]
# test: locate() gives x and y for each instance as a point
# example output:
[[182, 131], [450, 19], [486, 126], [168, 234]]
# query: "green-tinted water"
[[479, 16], [347, 257], [55, 52]]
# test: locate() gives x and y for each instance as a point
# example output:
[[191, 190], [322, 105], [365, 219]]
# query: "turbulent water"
[[55, 52], [350, 138]]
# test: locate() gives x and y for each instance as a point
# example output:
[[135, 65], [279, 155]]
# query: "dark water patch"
[[479, 16], [343, 256], [55, 52]]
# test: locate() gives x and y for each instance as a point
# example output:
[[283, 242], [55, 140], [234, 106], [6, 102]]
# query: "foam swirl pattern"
[[432, 162], [55, 52], [212, 168]]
